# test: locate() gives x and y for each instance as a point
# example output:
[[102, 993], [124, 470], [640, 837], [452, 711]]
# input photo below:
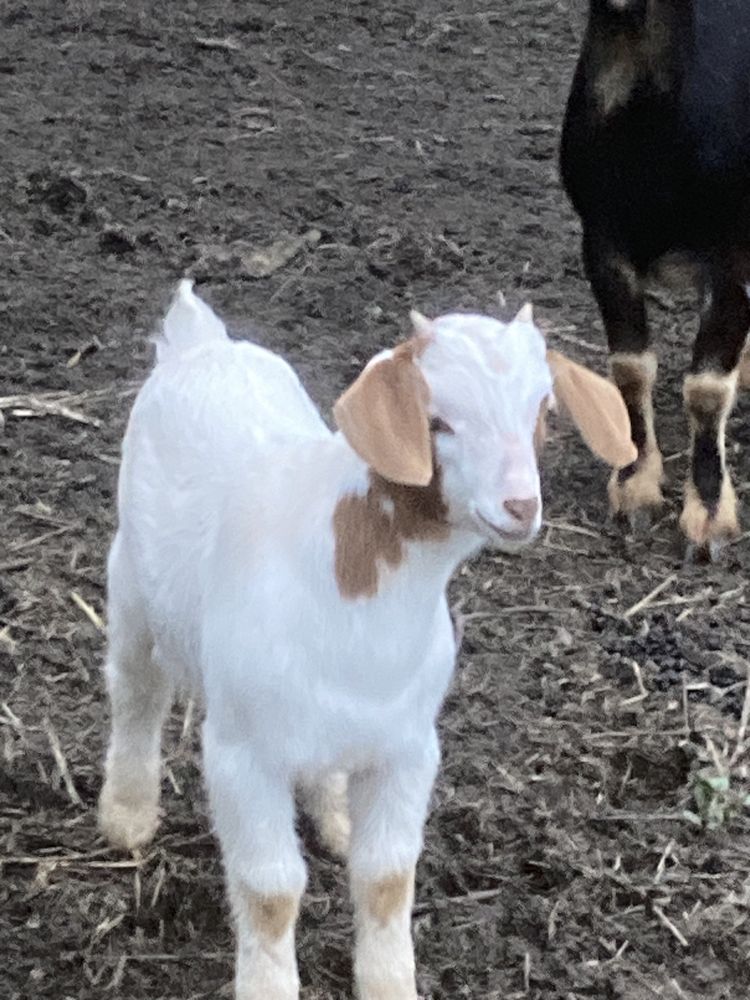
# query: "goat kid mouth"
[[519, 537]]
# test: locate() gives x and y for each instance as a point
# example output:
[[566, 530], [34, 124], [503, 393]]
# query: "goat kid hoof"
[[127, 825], [379, 989], [267, 991]]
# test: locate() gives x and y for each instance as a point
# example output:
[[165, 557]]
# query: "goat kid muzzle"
[[516, 524]]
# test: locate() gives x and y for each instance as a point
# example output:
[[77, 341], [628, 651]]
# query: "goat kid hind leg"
[[709, 515], [326, 802], [634, 491], [253, 813], [140, 695], [388, 808]]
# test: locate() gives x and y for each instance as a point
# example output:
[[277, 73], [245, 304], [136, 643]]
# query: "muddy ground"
[[379, 155]]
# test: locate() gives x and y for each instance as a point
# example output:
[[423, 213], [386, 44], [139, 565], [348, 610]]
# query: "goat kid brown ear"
[[597, 409], [383, 416]]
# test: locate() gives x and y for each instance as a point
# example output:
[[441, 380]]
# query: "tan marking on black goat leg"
[[709, 516], [638, 485], [710, 511]]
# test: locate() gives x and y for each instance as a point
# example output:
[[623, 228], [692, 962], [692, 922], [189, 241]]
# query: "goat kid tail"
[[189, 322]]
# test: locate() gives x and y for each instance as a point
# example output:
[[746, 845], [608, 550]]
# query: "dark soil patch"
[[412, 150]]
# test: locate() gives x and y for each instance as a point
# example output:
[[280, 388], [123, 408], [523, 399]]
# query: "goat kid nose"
[[523, 511]]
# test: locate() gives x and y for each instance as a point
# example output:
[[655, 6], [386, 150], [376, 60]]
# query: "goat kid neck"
[[387, 535]]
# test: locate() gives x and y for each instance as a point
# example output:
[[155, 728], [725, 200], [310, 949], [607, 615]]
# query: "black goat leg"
[[709, 515], [618, 289]]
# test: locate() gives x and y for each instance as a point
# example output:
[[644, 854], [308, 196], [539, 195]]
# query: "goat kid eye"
[[439, 426]]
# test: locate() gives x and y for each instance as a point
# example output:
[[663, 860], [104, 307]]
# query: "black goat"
[[655, 158]]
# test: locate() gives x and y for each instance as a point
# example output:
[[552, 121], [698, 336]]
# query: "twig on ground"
[[540, 609], [744, 722], [678, 989], [685, 707], [574, 529], [45, 536], [62, 764], [641, 687], [578, 341], [227, 44], [666, 922], [660, 868], [35, 406], [645, 601], [90, 613]]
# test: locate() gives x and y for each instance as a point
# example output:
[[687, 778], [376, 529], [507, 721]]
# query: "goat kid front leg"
[[619, 293], [388, 809], [253, 811], [709, 515]]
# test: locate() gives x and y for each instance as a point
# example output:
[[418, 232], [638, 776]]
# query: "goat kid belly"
[[344, 691]]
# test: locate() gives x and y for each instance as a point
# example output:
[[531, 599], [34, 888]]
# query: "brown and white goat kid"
[[296, 578]]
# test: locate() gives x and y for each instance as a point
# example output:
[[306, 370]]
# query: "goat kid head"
[[465, 398]]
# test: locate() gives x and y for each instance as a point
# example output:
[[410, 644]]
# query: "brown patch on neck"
[[370, 530]]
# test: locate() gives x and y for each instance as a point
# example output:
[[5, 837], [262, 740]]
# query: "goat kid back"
[[295, 578]]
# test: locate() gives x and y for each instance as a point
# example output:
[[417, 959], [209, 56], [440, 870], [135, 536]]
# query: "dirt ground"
[[321, 167]]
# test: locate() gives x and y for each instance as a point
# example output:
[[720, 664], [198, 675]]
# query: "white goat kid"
[[296, 579]]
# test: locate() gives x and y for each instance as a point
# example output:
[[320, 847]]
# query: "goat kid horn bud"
[[422, 326], [525, 314]]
